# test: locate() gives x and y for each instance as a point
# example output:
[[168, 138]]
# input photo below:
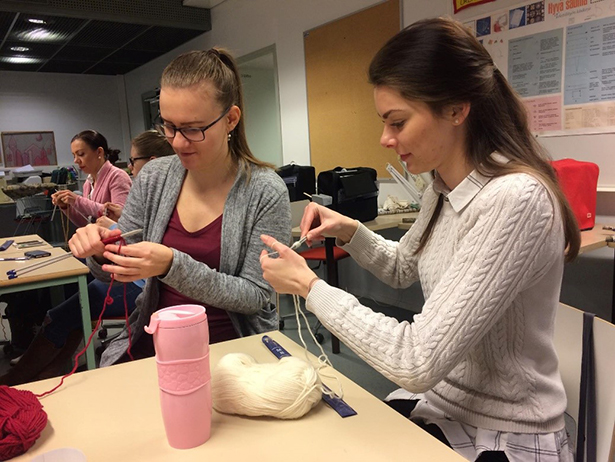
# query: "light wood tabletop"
[[66, 271], [594, 238], [63, 268], [113, 414]]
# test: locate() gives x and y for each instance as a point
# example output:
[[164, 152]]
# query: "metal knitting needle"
[[12, 274], [40, 264], [53, 214], [295, 246], [111, 240]]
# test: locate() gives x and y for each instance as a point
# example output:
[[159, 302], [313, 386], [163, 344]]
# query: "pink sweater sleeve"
[[113, 187]]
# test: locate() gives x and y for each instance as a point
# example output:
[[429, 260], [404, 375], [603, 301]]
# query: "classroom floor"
[[346, 361]]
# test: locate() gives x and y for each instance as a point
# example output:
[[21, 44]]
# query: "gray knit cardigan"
[[254, 207]]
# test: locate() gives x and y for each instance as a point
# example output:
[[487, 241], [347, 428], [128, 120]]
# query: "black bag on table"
[[354, 191], [59, 175], [299, 180]]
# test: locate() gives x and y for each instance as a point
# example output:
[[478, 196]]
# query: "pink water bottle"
[[181, 340]]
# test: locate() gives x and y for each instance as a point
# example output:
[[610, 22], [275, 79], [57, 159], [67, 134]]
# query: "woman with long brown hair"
[[488, 247]]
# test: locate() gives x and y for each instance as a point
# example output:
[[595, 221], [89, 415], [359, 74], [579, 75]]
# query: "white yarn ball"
[[287, 389]]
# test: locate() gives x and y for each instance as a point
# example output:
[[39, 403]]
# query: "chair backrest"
[[568, 340], [296, 211]]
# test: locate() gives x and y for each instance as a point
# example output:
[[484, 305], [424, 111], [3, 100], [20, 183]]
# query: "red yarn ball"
[[22, 421]]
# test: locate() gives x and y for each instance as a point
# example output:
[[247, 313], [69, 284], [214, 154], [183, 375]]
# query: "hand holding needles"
[[295, 246], [111, 240]]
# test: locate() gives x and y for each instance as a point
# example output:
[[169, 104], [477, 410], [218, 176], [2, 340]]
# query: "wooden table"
[[63, 272], [113, 414]]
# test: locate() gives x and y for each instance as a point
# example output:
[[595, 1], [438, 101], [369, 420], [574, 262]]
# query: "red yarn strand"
[[127, 325], [108, 301], [22, 418]]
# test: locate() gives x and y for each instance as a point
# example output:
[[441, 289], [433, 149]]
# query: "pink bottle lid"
[[176, 316]]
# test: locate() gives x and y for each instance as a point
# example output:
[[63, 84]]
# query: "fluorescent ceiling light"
[[40, 35], [20, 60], [36, 21], [20, 49]]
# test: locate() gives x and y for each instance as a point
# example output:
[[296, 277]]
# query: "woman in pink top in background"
[[105, 183]]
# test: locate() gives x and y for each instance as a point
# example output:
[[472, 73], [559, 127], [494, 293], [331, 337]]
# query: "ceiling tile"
[[54, 30], [162, 39], [107, 68], [6, 19], [83, 53], [69, 67], [35, 50], [90, 39], [107, 34], [133, 56]]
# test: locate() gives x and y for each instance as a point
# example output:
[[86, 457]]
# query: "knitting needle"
[[111, 240], [12, 274], [295, 246], [39, 264], [53, 214]]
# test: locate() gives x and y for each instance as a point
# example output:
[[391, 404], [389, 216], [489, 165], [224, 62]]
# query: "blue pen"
[[338, 404]]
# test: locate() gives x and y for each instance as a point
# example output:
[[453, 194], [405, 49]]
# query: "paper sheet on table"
[[25, 168]]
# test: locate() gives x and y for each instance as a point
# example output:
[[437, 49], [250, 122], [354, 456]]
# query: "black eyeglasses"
[[190, 133], [133, 159]]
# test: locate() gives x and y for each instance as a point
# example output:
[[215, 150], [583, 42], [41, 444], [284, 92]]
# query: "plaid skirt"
[[470, 442]]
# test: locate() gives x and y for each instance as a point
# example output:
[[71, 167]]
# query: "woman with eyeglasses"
[[105, 183], [202, 212], [147, 146]]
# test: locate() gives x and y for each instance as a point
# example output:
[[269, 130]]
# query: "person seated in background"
[[477, 366], [61, 334], [201, 212], [105, 183], [147, 146]]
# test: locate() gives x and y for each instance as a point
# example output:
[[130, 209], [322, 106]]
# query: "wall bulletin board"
[[344, 126], [23, 148], [559, 55]]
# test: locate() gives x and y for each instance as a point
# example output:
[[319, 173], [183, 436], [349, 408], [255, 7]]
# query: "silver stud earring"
[[456, 121]]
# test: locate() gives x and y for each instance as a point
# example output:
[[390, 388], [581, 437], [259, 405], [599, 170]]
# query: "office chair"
[[568, 341]]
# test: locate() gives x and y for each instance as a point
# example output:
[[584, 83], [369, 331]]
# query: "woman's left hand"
[[105, 222], [137, 261], [288, 273]]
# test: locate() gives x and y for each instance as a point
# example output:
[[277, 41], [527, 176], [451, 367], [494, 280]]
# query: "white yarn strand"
[[323, 359]]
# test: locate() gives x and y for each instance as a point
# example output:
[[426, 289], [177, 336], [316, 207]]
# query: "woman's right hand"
[[87, 241], [319, 222]]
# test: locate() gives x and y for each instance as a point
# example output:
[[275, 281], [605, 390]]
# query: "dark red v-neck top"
[[204, 246]]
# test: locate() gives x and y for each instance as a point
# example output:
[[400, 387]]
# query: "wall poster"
[[23, 148], [559, 55]]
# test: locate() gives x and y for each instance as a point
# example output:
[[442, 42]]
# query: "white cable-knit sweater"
[[491, 273]]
